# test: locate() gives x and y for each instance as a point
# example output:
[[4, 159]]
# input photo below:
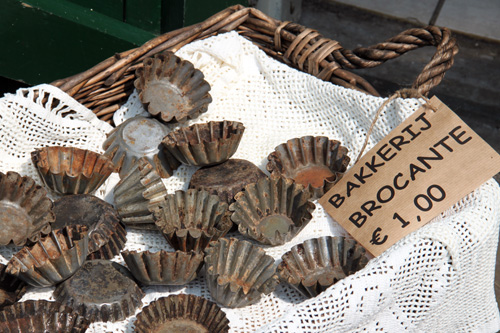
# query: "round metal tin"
[[85, 209], [163, 268], [204, 144], [171, 89], [238, 272], [69, 170], [182, 314], [139, 137], [318, 263], [226, 179], [25, 210], [101, 291], [315, 162]]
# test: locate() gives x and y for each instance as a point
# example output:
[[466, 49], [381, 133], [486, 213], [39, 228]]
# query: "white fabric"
[[438, 279]]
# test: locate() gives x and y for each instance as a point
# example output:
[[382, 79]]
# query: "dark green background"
[[46, 40]]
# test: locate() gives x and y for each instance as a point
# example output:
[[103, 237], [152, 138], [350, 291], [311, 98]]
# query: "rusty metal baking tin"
[[182, 313], [25, 210], [101, 291], [11, 288], [139, 137], [205, 144], [190, 219], [112, 248], [136, 192], [85, 209], [273, 210], [69, 170], [41, 316], [238, 272], [226, 179], [313, 266], [163, 268], [53, 259], [318, 163], [171, 89]]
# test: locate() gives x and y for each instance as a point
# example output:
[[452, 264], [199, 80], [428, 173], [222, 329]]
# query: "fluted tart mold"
[[139, 137], [171, 89], [182, 313], [136, 192], [53, 259], [25, 210], [11, 287], [273, 210], [101, 291], [70, 170], [190, 219], [315, 162], [112, 248], [41, 316], [85, 209], [162, 267], [205, 144], [313, 266], [238, 272]]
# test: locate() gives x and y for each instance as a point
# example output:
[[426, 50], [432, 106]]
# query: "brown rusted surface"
[[25, 210], [205, 144], [182, 313], [11, 288], [41, 316], [226, 179], [140, 188], [238, 272], [101, 291], [163, 268], [318, 263], [85, 209], [171, 89], [53, 258], [190, 220], [315, 162], [70, 170], [273, 210], [114, 245], [136, 138]]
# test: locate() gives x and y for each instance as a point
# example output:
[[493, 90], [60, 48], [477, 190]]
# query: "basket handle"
[[307, 50]]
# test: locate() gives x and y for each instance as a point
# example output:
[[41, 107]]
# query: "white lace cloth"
[[438, 279]]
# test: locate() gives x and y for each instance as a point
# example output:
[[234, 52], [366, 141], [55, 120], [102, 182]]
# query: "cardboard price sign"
[[424, 166]]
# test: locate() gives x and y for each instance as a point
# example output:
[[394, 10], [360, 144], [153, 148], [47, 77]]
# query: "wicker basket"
[[104, 87]]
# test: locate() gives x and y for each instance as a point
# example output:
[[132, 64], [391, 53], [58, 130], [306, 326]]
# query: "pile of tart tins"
[[68, 243]]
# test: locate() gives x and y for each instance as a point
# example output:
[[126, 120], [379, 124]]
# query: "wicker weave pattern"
[[107, 85]]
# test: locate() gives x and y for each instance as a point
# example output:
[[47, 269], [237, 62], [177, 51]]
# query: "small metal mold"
[[171, 89], [182, 313], [238, 272], [11, 288], [114, 245], [205, 144], [85, 209], [101, 291], [53, 259], [163, 268], [273, 210], [25, 210], [136, 192], [139, 137], [69, 170], [318, 163], [226, 179], [318, 263], [190, 220], [41, 316]]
